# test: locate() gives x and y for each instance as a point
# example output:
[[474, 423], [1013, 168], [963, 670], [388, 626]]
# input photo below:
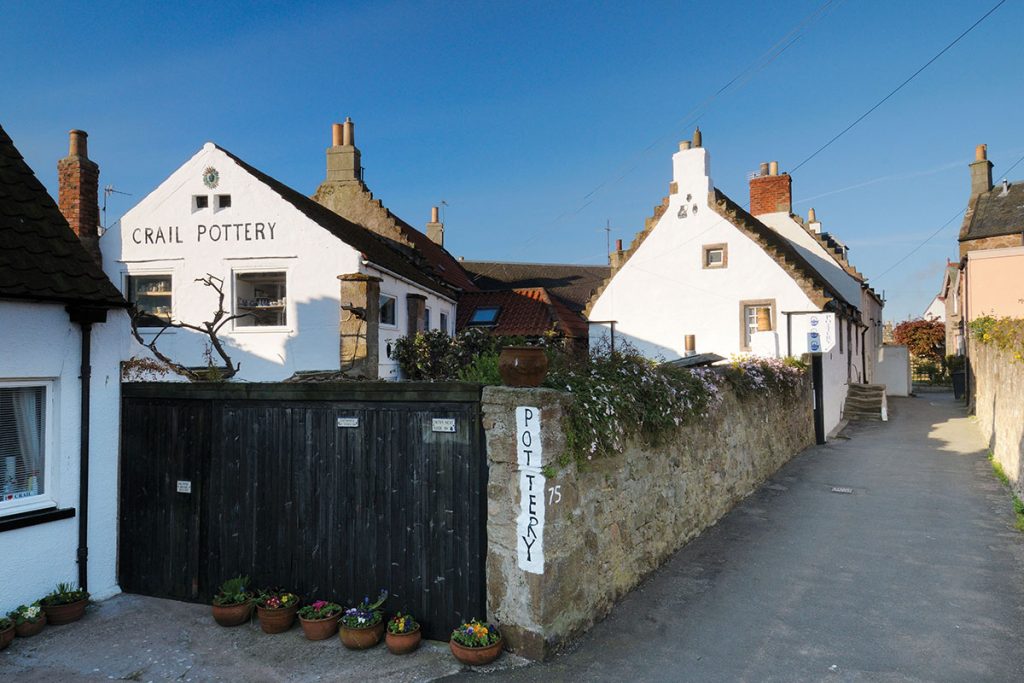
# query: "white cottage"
[[63, 330], [705, 270], [313, 291]]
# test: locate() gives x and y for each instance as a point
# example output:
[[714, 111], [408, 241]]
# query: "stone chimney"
[[981, 171], [771, 192], [617, 257], [343, 161], [435, 228], [78, 179]]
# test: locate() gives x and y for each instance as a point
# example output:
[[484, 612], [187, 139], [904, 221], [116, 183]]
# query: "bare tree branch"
[[211, 329]]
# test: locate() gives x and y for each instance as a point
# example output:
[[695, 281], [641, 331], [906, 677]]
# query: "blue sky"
[[539, 122]]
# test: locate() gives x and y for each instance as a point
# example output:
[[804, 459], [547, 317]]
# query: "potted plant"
[[65, 604], [362, 626], [320, 619], [6, 632], [28, 620], [475, 643], [232, 605], [403, 634], [276, 610]]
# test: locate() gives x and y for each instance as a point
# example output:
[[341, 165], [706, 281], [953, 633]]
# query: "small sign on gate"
[[348, 422], [184, 486], [443, 424]]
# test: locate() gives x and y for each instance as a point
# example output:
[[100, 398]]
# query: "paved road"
[[916, 575]]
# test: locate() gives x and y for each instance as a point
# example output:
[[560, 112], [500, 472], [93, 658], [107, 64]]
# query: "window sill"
[[35, 517]]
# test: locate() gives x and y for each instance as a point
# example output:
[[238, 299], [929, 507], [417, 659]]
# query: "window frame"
[[380, 311], [707, 249], [47, 499], [426, 318], [257, 329], [129, 274], [442, 322], [218, 205], [770, 303]]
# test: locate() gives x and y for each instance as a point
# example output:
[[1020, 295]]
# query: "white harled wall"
[[41, 343], [312, 257]]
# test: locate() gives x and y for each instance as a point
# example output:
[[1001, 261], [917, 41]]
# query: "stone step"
[[858, 415], [867, 389], [867, 403]]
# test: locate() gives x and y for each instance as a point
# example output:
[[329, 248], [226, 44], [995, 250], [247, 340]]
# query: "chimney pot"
[[433, 214], [691, 344], [684, 145], [348, 132], [335, 134], [981, 171], [981, 153], [78, 145], [811, 216], [773, 168], [698, 139], [618, 245], [764, 168]]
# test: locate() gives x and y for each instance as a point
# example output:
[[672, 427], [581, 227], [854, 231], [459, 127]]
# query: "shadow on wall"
[[310, 341]]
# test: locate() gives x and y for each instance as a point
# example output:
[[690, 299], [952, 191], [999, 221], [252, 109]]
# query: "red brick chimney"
[[79, 182], [771, 192]]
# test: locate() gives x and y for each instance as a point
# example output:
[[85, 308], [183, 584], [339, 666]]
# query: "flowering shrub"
[[276, 599], [436, 356], [1004, 333], [621, 395], [321, 609], [365, 614], [749, 374], [233, 592], [5, 623], [26, 614], [402, 623], [475, 633]]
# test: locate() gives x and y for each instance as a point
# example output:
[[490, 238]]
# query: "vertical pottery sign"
[[530, 523]]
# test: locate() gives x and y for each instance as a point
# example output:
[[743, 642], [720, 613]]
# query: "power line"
[[900, 86]]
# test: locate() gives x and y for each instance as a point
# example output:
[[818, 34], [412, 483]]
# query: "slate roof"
[[993, 214], [41, 259], [374, 247], [573, 284], [526, 311], [444, 265]]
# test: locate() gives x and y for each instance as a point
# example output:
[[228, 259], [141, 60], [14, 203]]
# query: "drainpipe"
[[85, 318]]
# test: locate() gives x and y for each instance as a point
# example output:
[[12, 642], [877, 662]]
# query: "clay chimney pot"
[[78, 145], [433, 214], [773, 168], [618, 245], [981, 153], [811, 216], [335, 134], [764, 168], [698, 139], [691, 343], [348, 132]]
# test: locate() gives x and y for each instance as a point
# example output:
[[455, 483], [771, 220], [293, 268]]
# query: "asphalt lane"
[[917, 575]]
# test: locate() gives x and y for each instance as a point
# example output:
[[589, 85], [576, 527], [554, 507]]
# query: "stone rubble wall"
[[611, 522], [998, 396]]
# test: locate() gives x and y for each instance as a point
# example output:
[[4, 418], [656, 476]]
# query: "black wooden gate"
[[333, 491]]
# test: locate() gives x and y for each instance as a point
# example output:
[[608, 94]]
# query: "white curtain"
[[28, 423]]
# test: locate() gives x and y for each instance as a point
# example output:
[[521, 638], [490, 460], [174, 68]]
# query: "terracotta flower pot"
[[6, 636], [403, 643], [57, 615], [522, 366], [476, 656], [320, 629], [361, 638], [29, 628], [232, 615], [276, 620]]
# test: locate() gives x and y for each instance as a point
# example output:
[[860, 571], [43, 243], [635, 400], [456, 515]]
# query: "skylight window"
[[485, 315]]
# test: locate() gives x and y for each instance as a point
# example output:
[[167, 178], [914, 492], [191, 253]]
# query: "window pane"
[[261, 298], [387, 310], [152, 296], [714, 256], [22, 412], [426, 320], [444, 323], [486, 315]]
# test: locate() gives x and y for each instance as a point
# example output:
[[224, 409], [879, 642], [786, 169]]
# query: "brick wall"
[[78, 198]]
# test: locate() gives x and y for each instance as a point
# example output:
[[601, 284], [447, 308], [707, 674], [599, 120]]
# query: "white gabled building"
[[318, 292], [704, 268]]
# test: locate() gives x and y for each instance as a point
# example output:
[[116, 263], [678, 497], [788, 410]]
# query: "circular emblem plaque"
[[210, 177]]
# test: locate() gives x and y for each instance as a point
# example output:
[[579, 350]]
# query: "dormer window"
[[223, 201], [485, 315]]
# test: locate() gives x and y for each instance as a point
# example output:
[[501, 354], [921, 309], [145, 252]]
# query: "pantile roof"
[[375, 248], [995, 213], [41, 258], [573, 284], [525, 311]]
